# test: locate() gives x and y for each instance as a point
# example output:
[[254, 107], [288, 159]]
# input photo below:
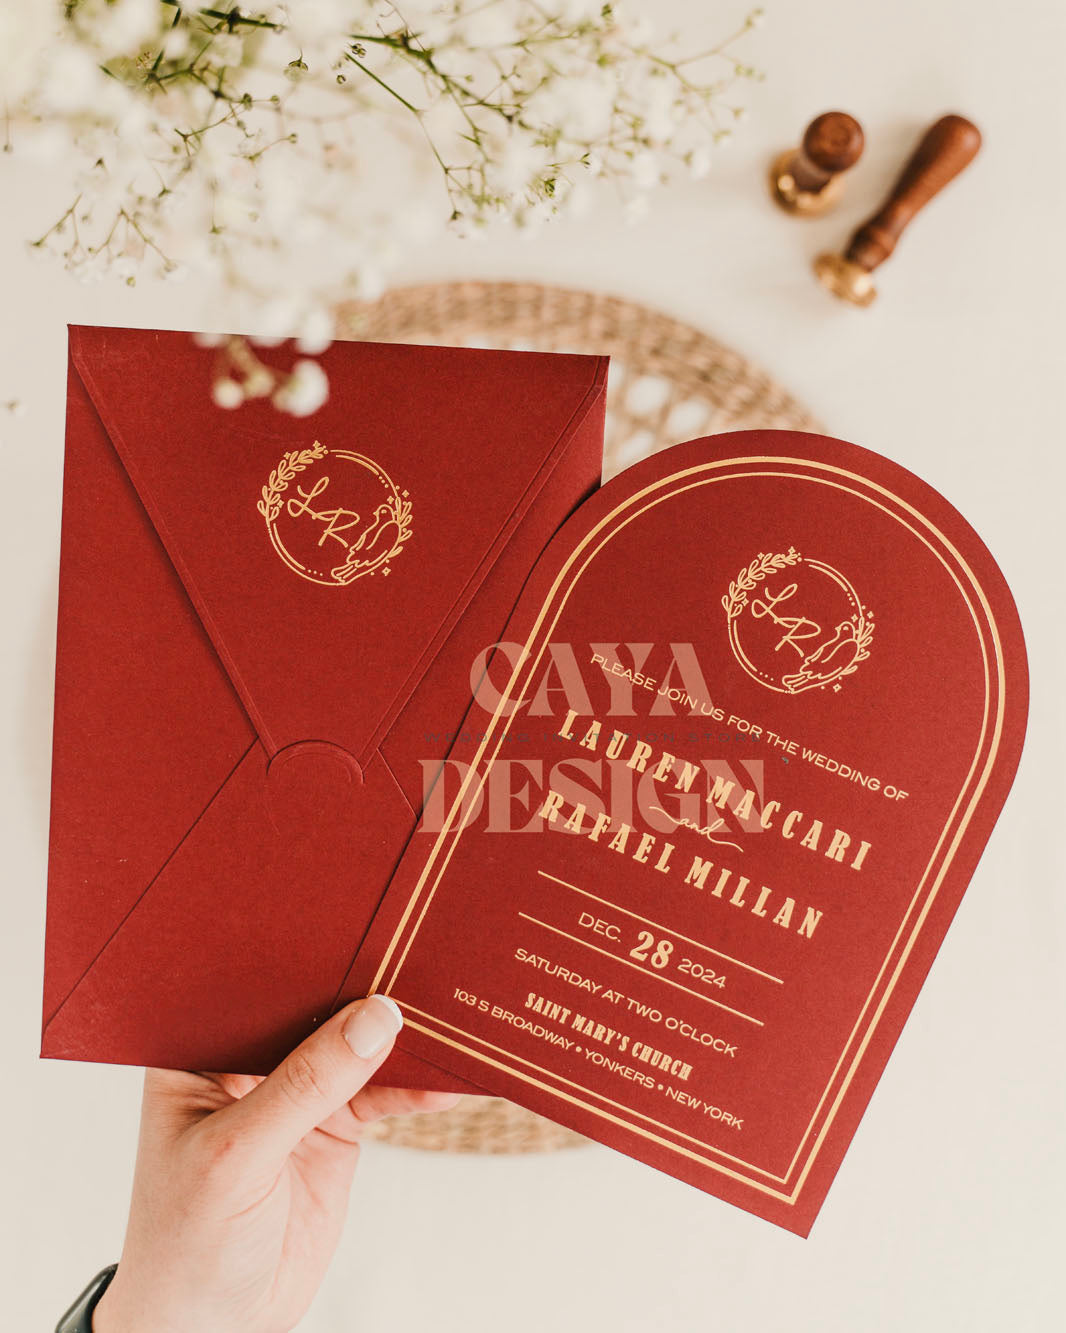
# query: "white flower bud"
[[577, 11], [226, 49], [71, 80], [369, 283], [120, 26], [581, 107], [286, 191], [316, 332], [304, 392], [176, 44], [227, 393], [27, 32], [644, 170], [699, 163], [491, 25]]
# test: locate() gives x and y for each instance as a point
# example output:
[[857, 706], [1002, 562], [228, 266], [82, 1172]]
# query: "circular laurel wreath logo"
[[334, 526], [796, 624]]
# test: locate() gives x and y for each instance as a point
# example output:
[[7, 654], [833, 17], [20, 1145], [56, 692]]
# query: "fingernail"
[[372, 1026]]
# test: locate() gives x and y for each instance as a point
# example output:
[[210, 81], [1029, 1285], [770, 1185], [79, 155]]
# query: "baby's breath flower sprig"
[[241, 375], [287, 151]]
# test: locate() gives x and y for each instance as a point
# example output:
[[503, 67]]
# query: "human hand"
[[242, 1183]]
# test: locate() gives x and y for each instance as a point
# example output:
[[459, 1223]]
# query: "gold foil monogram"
[[796, 624], [334, 516]]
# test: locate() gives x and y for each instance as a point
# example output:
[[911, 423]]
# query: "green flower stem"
[[231, 17], [203, 84], [353, 59], [58, 224], [131, 221]]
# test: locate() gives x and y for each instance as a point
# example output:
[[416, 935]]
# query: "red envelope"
[[267, 632]]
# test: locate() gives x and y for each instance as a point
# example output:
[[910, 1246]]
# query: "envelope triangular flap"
[[330, 556]]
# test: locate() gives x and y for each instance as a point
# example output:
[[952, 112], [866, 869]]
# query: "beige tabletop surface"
[[947, 1212]]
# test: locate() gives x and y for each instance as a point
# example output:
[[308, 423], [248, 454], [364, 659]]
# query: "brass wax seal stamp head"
[[945, 149], [808, 180]]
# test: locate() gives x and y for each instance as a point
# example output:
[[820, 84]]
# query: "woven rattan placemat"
[[668, 382]]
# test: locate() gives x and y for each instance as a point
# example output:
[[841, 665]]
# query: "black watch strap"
[[79, 1318]]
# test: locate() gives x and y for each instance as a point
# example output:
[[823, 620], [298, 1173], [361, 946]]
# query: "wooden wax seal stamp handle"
[[807, 179], [946, 148], [832, 143]]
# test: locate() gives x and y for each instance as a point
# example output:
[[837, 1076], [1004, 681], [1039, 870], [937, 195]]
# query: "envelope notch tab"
[[310, 782], [324, 757]]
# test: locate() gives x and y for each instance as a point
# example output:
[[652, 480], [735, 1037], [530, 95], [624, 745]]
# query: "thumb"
[[318, 1078]]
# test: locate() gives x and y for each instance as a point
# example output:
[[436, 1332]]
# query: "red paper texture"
[[266, 630], [700, 846]]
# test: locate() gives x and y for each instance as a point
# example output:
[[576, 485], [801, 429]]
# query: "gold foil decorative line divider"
[[454, 827], [459, 815], [669, 930], [940, 862], [644, 972], [700, 1157]]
